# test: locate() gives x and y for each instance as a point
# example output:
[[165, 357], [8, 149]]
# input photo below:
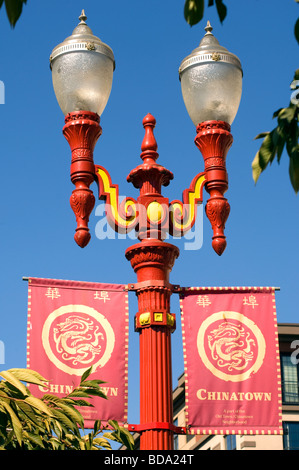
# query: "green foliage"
[[13, 9], [296, 29], [283, 136], [51, 423], [194, 10]]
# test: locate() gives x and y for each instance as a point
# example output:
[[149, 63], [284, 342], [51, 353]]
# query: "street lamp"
[[82, 71], [211, 79]]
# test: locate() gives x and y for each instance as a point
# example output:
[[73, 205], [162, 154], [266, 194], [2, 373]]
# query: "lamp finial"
[[208, 28], [82, 17]]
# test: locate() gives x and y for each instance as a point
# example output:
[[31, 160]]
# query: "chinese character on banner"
[[250, 300], [203, 300], [103, 295], [52, 293], [232, 366], [69, 331]]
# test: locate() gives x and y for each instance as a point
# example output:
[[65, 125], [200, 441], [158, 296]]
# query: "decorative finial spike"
[[208, 28], [82, 17], [149, 142]]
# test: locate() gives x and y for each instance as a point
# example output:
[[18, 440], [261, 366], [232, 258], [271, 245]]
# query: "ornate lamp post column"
[[152, 260], [211, 78]]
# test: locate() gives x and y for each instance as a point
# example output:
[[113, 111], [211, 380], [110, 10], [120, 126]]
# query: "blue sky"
[[149, 40]]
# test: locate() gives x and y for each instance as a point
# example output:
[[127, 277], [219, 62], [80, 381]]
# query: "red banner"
[[232, 364], [73, 326]]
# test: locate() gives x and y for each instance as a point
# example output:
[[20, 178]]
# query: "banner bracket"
[[157, 426], [175, 288]]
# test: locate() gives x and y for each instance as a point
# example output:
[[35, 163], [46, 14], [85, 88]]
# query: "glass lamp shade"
[[211, 81], [82, 71]]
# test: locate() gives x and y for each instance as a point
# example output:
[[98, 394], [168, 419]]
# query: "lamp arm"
[[122, 217], [182, 214]]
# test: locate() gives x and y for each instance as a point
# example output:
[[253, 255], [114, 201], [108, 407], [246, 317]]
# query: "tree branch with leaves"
[[283, 136], [52, 423]]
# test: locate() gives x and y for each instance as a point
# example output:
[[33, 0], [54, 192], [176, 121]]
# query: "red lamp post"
[[152, 260], [151, 215]]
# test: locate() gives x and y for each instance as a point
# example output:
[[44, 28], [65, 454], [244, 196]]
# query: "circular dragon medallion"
[[76, 337], [231, 346]]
